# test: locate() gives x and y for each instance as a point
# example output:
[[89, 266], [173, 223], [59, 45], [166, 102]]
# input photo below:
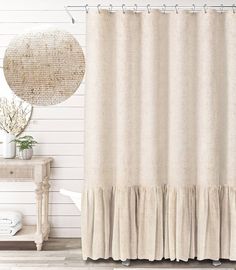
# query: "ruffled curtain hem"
[[176, 223]]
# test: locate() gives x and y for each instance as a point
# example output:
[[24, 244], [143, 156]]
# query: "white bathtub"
[[75, 197]]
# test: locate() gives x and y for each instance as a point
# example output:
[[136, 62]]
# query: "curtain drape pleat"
[[160, 151]]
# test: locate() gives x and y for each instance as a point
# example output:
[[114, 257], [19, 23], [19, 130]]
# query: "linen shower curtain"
[[160, 152]]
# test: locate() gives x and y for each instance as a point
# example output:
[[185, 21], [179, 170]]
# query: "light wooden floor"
[[60, 254]]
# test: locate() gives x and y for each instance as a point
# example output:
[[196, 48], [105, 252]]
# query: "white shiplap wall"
[[59, 129]]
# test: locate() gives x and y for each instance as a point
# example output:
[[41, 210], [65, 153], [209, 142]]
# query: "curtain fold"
[[160, 136]]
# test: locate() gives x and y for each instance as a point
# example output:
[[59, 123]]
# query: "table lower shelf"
[[27, 233]]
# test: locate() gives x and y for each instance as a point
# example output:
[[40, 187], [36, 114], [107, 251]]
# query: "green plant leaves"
[[25, 142]]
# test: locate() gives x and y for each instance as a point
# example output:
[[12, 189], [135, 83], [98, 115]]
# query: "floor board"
[[60, 254]]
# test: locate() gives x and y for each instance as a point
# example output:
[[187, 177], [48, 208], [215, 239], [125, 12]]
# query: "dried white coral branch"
[[14, 115]]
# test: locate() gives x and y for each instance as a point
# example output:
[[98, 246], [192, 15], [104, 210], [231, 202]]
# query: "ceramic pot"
[[25, 154], [9, 147]]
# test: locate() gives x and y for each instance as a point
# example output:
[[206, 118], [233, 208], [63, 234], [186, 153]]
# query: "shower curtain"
[[160, 152]]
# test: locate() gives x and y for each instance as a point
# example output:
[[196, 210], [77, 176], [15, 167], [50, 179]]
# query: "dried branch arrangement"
[[14, 115]]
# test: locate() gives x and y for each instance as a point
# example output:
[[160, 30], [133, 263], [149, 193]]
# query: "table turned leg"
[[46, 187], [39, 192], [39, 246]]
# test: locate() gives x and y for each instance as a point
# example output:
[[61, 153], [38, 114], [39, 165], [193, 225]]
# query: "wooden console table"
[[36, 170]]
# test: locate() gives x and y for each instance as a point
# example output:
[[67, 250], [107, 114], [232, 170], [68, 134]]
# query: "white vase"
[[25, 154], [9, 147]]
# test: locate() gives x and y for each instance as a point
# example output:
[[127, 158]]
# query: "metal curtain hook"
[[149, 8], [110, 8], [86, 8], [98, 7], [205, 8], [123, 8], [194, 8], [164, 8], [135, 8], [234, 7], [176, 9], [221, 8]]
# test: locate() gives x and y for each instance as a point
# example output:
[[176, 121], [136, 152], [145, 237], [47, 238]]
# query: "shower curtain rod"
[[152, 6], [136, 7]]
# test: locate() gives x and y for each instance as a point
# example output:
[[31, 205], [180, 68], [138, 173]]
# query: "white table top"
[[33, 161]]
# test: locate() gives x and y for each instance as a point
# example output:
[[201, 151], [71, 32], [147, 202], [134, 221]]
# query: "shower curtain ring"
[[110, 8], [205, 8], [149, 8], [135, 8], [164, 8], [86, 8], [123, 8], [98, 7], [176, 9], [194, 8], [221, 8], [233, 7]]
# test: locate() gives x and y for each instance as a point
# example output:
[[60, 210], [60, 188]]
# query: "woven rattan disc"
[[44, 67]]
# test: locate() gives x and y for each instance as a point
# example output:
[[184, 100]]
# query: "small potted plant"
[[25, 146]]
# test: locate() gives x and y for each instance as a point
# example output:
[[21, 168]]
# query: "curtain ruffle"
[[159, 222]]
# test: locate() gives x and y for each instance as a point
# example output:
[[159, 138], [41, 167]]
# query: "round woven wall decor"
[[44, 67]]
